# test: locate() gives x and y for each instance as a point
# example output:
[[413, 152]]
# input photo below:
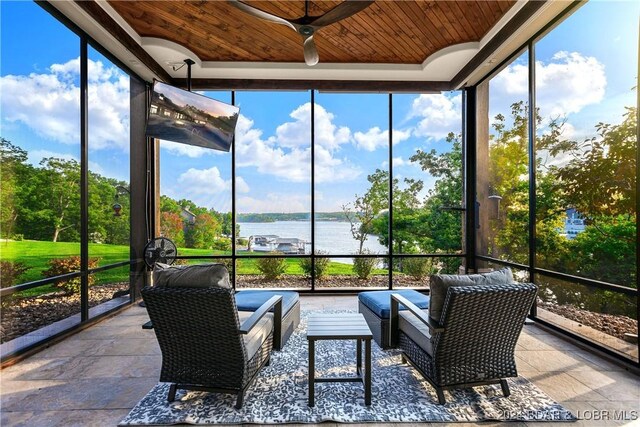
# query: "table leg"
[[359, 356], [367, 372], [312, 372]]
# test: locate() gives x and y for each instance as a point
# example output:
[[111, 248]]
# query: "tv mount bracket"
[[188, 62]]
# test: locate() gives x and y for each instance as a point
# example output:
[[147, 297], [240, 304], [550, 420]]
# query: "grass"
[[36, 255]]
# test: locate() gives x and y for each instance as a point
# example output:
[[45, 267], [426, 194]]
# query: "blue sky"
[[585, 72]]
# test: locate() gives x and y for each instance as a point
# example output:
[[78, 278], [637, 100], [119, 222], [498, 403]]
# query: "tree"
[[167, 204], [367, 207], [172, 227], [12, 159], [204, 232], [51, 200], [102, 221], [598, 180], [407, 213], [441, 226], [600, 176]]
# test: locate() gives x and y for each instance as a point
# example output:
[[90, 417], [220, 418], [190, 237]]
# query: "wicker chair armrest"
[[274, 302], [397, 299]]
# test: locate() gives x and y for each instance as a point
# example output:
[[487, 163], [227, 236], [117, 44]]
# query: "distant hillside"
[[296, 216]]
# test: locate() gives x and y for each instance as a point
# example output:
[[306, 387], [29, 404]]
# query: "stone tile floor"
[[95, 377]]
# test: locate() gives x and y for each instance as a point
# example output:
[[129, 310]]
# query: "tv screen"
[[181, 116]]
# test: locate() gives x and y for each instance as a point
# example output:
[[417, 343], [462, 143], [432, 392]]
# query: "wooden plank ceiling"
[[398, 32]]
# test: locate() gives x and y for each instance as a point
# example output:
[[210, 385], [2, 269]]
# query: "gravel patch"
[[301, 282], [615, 325], [25, 315]]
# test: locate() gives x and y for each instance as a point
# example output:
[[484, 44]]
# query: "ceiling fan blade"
[[311, 56], [261, 14], [340, 12]]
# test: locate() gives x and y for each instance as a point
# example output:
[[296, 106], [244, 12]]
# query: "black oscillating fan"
[[160, 250]]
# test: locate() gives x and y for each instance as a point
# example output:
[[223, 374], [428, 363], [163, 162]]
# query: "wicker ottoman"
[[375, 306], [252, 300]]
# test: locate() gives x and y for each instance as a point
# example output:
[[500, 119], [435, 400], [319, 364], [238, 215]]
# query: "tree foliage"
[[362, 214], [43, 202], [595, 176]]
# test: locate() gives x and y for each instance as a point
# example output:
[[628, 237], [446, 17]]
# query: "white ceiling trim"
[[440, 66]]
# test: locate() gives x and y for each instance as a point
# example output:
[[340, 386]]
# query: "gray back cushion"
[[192, 276], [440, 283]]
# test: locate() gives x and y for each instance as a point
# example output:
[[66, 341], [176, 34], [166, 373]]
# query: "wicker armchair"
[[474, 341], [206, 344]]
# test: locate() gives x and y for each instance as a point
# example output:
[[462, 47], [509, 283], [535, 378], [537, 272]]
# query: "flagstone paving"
[[96, 376]]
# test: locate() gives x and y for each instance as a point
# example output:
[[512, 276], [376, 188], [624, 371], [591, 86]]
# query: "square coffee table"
[[340, 327]]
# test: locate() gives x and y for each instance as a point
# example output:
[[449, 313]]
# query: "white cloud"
[[298, 132], [35, 156], [287, 154], [397, 161], [203, 181], [205, 187], [569, 83], [191, 151], [267, 156], [376, 138], [49, 104], [512, 81], [327, 134], [275, 202], [329, 168], [401, 135], [565, 84], [439, 114], [241, 185], [372, 139]]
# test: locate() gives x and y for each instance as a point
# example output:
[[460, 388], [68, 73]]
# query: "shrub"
[[321, 265], [271, 267], [60, 266], [418, 268], [364, 266], [10, 272], [222, 244]]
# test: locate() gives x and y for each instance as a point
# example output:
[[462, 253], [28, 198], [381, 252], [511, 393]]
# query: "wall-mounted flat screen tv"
[[181, 116]]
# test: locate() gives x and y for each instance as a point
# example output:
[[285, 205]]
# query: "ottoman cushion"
[[252, 300], [380, 301]]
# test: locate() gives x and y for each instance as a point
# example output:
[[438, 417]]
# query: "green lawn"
[[36, 254]]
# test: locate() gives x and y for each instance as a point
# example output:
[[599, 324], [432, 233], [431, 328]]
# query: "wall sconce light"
[[117, 207], [494, 206]]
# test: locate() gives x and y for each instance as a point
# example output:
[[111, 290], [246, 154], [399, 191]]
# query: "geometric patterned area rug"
[[399, 394]]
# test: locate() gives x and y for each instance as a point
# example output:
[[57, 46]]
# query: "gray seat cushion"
[[416, 330], [193, 276], [254, 339], [440, 284]]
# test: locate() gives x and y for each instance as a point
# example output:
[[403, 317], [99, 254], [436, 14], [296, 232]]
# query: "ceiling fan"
[[307, 25]]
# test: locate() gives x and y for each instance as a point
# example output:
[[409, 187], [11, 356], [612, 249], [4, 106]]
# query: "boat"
[[274, 243]]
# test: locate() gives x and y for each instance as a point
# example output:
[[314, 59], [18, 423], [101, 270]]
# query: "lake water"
[[331, 236]]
